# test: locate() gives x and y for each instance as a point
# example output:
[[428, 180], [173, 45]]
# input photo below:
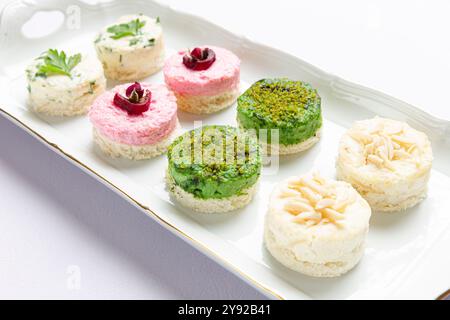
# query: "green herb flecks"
[[91, 87], [150, 43], [132, 28], [57, 63], [98, 39], [158, 20], [134, 41]]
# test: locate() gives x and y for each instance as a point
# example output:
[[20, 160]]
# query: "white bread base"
[[324, 269], [77, 103], [281, 149], [382, 198], [133, 152], [206, 104], [132, 65], [188, 200]]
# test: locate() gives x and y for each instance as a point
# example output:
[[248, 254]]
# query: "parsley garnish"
[[131, 28], [158, 20], [57, 63]]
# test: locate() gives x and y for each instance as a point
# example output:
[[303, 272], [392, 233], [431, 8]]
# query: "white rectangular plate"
[[407, 254]]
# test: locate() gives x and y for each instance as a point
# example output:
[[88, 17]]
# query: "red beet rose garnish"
[[136, 87], [136, 101], [199, 59]]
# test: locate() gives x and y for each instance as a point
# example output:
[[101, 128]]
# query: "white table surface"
[[64, 235]]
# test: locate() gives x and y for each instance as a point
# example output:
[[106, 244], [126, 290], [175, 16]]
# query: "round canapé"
[[132, 48], [64, 84], [387, 161], [139, 135], [316, 226], [204, 80]]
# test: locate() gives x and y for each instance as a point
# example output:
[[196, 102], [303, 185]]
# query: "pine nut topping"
[[385, 143], [313, 200]]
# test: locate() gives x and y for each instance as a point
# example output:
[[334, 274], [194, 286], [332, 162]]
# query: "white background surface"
[[64, 235]]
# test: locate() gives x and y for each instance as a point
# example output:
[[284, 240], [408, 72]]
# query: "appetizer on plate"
[[387, 161], [132, 48], [64, 85], [316, 226], [135, 121], [292, 108], [213, 169], [205, 79]]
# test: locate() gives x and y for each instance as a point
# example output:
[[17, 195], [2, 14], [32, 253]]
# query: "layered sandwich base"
[[61, 103], [378, 202], [134, 152], [132, 74], [132, 65], [188, 200], [206, 104], [334, 268], [268, 149], [287, 256], [282, 149], [385, 198], [78, 107]]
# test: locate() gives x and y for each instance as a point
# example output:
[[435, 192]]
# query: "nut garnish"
[[385, 143], [313, 200]]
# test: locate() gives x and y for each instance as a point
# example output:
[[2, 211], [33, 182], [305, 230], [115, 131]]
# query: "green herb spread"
[[214, 162]]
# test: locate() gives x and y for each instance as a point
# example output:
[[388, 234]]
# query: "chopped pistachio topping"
[[282, 100], [214, 161], [215, 147], [292, 107]]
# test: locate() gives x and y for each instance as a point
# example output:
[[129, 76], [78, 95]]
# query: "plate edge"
[[335, 82]]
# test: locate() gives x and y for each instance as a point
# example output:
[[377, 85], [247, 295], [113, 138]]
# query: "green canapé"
[[215, 162], [292, 107]]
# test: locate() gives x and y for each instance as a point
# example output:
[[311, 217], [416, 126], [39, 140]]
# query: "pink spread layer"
[[222, 76], [149, 127]]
